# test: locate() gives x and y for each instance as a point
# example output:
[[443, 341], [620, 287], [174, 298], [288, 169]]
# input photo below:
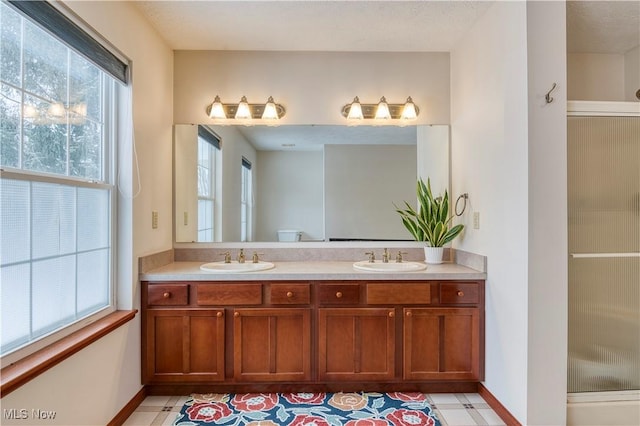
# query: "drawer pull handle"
[[166, 295], [460, 293], [409, 313], [339, 294], [236, 314], [289, 294], [392, 314], [219, 314]]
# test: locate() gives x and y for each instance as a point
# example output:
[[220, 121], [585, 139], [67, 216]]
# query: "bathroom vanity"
[[294, 329]]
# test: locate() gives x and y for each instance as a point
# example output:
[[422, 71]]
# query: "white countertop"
[[325, 270]]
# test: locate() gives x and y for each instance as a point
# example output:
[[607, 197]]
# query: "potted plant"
[[430, 223]]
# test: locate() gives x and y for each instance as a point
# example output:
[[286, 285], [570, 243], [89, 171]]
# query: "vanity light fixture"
[[381, 111], [245, 111]]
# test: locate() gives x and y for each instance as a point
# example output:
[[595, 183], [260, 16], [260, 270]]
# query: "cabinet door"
[[441, 344], [272, 344], [184, 346], [356, 344]]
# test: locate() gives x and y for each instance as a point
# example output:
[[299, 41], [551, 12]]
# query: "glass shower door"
[[604, 253]]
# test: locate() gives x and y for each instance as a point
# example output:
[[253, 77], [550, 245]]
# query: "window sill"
[[17, 374]]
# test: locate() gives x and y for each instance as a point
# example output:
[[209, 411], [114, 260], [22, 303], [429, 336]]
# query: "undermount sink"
[[234, 267], [379, 266]]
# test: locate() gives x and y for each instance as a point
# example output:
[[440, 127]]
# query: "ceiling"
[[361, 25], [313, 137]]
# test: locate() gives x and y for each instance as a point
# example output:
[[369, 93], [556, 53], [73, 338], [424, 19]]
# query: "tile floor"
[[459, 409]]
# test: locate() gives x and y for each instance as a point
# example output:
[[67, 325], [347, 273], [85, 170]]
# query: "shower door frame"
[[604, 109]]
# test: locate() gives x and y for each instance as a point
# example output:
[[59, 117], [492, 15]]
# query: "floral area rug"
[[311, 409]]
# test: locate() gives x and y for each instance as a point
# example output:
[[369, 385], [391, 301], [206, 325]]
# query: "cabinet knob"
[[339, 294], [236, 314], [219, 314], [460, 293], [289, 294], [408, 313], [392, 314], [166, 295]]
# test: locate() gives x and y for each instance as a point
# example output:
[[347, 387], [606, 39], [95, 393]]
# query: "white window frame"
[[246, 203], [110, 105], [212, 186]]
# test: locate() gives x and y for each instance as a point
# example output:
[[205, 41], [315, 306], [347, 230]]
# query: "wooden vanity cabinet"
[[272, 344], [180, 344], [356, 344], [249, 336]]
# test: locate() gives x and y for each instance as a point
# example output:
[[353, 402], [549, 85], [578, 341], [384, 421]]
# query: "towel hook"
[[548, 97]]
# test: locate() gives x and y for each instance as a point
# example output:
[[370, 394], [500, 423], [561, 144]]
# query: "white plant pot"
[[433, 255]]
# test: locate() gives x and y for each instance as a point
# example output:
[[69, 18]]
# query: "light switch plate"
[[476, 220], [154, 220]]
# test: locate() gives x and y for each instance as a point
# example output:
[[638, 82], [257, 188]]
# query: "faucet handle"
[[227, 257], [399, 256], [256, 259], [385, 256], [372, 256]]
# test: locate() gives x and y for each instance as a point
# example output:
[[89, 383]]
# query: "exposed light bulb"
[[243, 112], [382, 111], [355, 110], [56, 110], [217, 109], [409, 110], [29, 111], [270, 111]]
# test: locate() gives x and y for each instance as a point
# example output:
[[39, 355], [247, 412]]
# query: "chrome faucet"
[[227, 257], [241, 256], [385, 256], [372, 256]]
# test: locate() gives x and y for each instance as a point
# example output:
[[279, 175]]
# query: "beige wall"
[[508, 153], [631, 74], [91, 387], [362, 182], [290, 194], [313, 86], [595, 77]]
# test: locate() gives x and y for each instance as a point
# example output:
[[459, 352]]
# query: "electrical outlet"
[[476, 220], [185, 218], [154, 220]]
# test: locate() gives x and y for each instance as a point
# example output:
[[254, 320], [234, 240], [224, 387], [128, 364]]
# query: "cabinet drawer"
[[290, 294], [229, 294], [168, 294], [464, 293], [339, 294], [406, 293]]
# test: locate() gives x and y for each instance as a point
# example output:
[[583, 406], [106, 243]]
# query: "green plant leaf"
[[430, 220]]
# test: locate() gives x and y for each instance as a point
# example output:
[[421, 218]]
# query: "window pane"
[[9, 126], [54, 296], [85, 88], [93, 222], [85, 150], [45, 138], [14, 304], [53, 219], [45, 64], [93, 280], [204, 178], [16, 235], [10, 35]]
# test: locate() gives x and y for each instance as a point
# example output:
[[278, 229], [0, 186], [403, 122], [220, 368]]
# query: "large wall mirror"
[[301, 182]]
